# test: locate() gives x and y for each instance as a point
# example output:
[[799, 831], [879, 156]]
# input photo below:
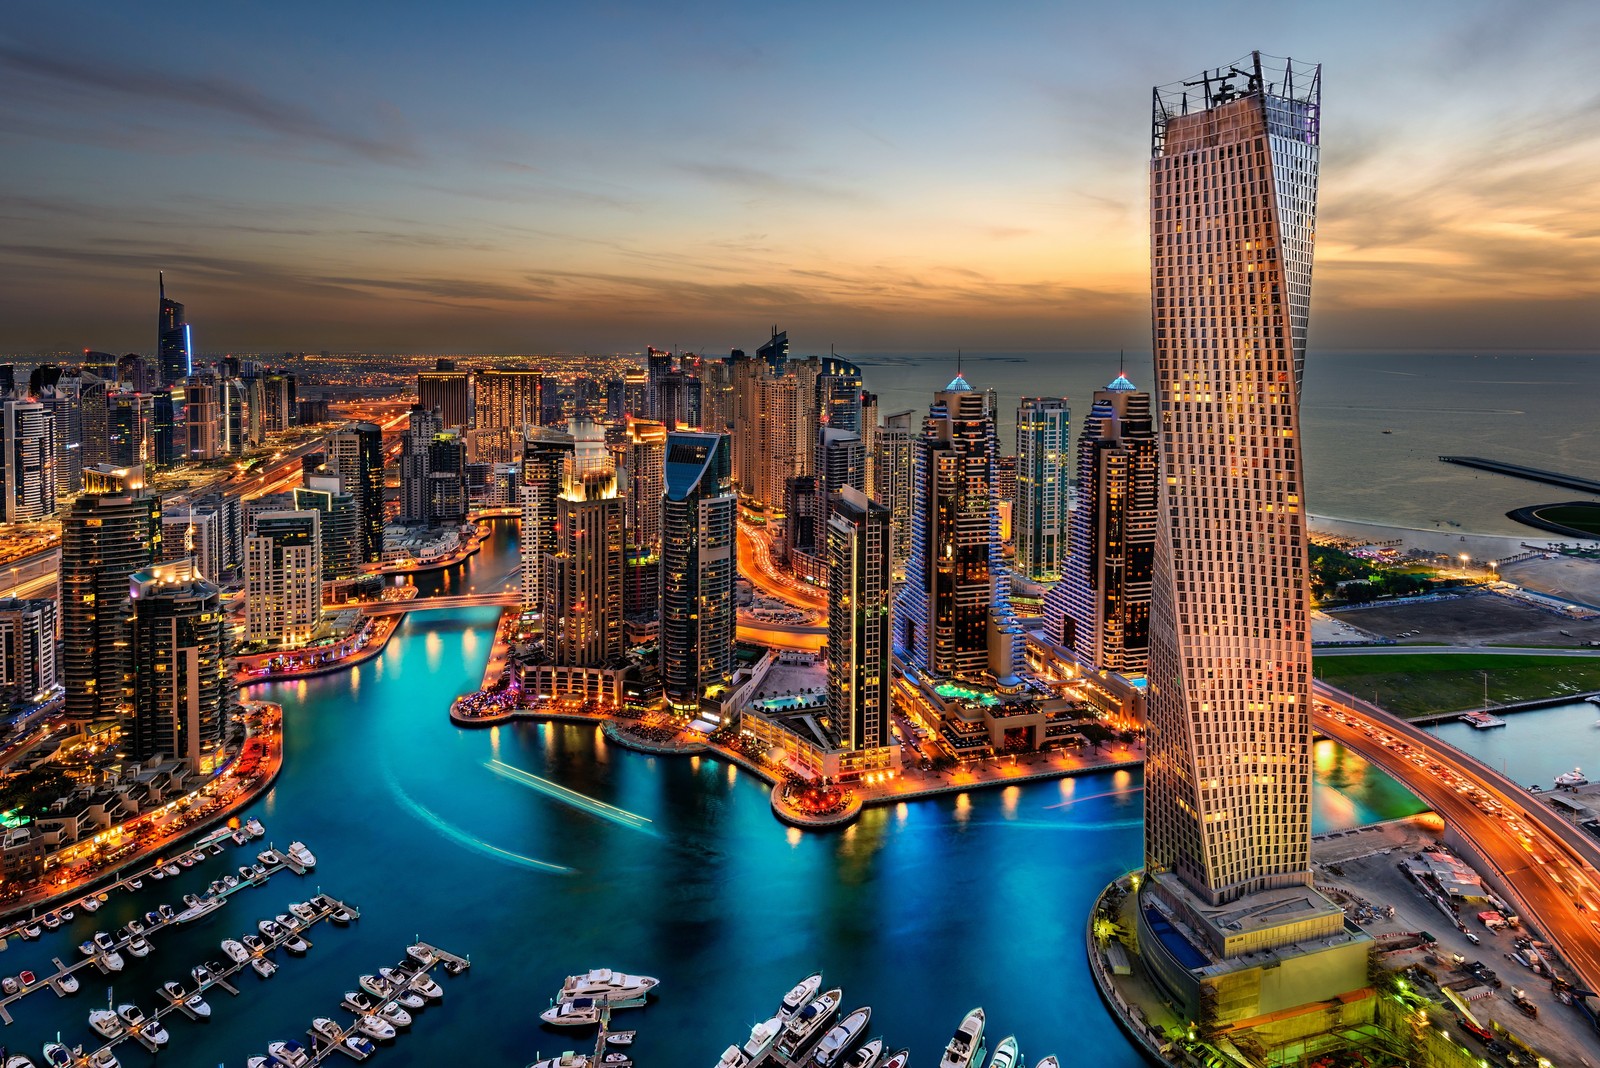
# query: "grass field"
[[1578, 516], [1416, 685]]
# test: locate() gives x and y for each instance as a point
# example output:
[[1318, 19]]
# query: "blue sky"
[[525, 177]]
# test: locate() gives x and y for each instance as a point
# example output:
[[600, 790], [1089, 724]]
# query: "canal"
[[922, 910]]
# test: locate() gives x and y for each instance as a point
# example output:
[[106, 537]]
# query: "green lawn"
[[1578, 515], [1416, 685]]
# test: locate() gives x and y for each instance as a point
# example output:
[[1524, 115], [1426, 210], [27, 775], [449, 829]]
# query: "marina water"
[[674, 867]]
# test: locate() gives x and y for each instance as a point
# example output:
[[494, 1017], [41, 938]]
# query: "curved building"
[[699, 566]]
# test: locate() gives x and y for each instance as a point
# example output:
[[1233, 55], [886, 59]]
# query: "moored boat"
[[1572, 778], [867, 1056], [289, 1052], [965, 1047], [800, 994], [263, 967], [840, 1037], [803, 1025], [1006, 1054], [575, 1012], [607, 985]]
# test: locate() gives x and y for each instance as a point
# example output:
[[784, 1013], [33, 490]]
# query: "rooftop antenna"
[[1122, 364], [958, 363], [161, 283]]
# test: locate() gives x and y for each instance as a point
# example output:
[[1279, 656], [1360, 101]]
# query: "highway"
[[755, 564], [1551, 869]]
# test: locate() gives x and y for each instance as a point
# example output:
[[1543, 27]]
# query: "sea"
[[1374, 424]]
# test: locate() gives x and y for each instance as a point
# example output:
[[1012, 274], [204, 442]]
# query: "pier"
[[322, 1046], [1532, 474]]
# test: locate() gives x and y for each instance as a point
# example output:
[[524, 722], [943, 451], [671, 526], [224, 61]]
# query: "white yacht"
[[269, 857], [965, 1048], [289, 1052], [568, 1059], [263, 967], [171, 869], [173, 990], [803, 992], [288, 922], [800, 1028], [897, 1059], [132, 1015], [396, 1015], [867, 1056], [607, 985], [377, 987], [112, 961], [1006, 1054], [359, 1047], [303, 911], [296, 945], [1575, 777], [139, 946], [299, 852], [1048, 1062], [106, 1023], [327, 1029], [104, 1059], [197, 1005], [374, 1028], [204, 907], [253, 825], [68, 983], [841, 1035], [427, 988], [156, 1033], [356, 1002], [235, 950], [421, 954], [90, 904], [50, 921], [762, 1036], [576, 1012]]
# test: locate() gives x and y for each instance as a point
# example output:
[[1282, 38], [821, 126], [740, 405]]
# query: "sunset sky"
[[527, 176]]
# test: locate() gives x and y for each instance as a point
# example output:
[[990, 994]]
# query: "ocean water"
[[1532, 410], [922, 910], [1534, 746]]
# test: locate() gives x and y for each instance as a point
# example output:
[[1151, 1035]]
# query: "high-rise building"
[[841, 462], [194, 534], [202, 399], [112, 530], [168, 441], [355, 454], [776, 350], [869, 438], [1101, 607], [424, 427], [340, 523], [64, 398], [954, 590], [283, 578], [1233, 184], [27, 650], [1039, 513], [699, 566], [642, 455], [180, 642], [544, 464], [448, 494], [582, 583], [858, 621], [893, 484], [448, 390], [716, 395], [27, 462], [132, 429], [510, 399], [174, 344], [784, 449]]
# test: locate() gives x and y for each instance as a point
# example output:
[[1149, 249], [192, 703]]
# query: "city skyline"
[[708, 174]]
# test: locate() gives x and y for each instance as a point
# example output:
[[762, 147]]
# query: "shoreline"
[[368, 652], [1437, 539]]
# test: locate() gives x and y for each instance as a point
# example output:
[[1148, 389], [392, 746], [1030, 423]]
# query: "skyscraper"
[[544, 464], [642, 459], [180, 642], [510, 399], [355, 454], [112, 530], [1101, 607], [893, 485], [340, 522], [1233, 184], [415, 484], [858, 622], [64, 398], [174, 344], [582, 584], [448, 390], [841, 462], [203, 419], [283, 578], [1039, 516], [699, 565], [943, 612], [27, 650], [27, 462]]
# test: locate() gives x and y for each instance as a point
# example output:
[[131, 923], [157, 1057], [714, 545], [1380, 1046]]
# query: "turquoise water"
[[922, 910], [1534, 747]]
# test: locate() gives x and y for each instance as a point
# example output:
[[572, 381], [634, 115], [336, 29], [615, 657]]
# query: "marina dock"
[[322, 1047]]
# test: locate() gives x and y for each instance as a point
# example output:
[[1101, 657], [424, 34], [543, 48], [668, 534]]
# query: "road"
[[755, 564], [1546, 864]]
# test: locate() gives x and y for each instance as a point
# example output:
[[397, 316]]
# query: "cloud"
[[768, 183]]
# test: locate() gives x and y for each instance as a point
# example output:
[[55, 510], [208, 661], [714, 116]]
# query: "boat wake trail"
[[462, 838], [571, 797], [1091, 797]]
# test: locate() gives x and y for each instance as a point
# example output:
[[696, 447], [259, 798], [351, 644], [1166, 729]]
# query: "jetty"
[[324, 1046], [1532, 474]]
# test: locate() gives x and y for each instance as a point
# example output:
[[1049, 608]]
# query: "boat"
[[1481, 721], [68, 983], [421, 954], [88, 947], [455, 966], [410, 1000], [965, 1047], [173, 990], [263, 967], [106, 1023], [259, 1061], [427, 988], [378, 988], [270, 929], [841, 1035], [197, 1005], [897, 1059], [1006, 1054], [1593, 699], [104, 1059], [139, 946], [9, 986], [31, 932], [253, 943], [246, 873], [170, 868], [301, 855], [156, 1033], [1575, 777], [131, 1014], [568, 1059], [259, 870], [374, 1028], [341, 916], [206, 906], [50, 921], [67, 914], [287, 922], [327, 1029], [192, 900], [360, 1048], [289, 1052], [607, 985], [577, 1012], [152, 919], [1048, 1062], [167, 913], [238, 838], [622, 1038], [230, 881], [800, 994], [112, 961], [200, 973], [235, 950], [187, 860], [269, 857], [253, 825], [56, 1055], [215, 887], [356, 1002], [867, 1056], [135, 927], [396, 1015], [90, 904], [800, 1028], [135, 884], [303, 911], [297, 945], [26, 978], [157, 873]]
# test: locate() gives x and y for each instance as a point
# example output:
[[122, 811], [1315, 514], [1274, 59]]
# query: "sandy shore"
[[1441, 540]]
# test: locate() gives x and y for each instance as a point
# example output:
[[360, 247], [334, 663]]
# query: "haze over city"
[[504, 177]]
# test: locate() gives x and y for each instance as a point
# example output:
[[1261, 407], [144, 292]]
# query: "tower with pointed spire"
[[174, 344]]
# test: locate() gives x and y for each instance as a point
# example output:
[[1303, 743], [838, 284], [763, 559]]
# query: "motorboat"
[[801, 994], [615, 1058], [259, 1061], [88, 947], [112, 961], [90, 904], [170, 868], [289, 1052], [157, 874], [238, 838], [297, 945], [135, 884], [813, 1017], [1572, 778], [301, 855], [762, 1036], [197, 1005], [192, 900], [103, 943], [841, 1035], [287, 922], [376, 1029], [427, 988], [410, 1000], [897, 1059], [263, 967], [173, 989], [235, 950], [456, 967], [867, 1056], [104, 1059], [200, 973], [578, 1012], [139, 946], [1006, 1054], [341, 916], [253, 825], [106, 1023], [395, 1015], [187, 860], [356, 1002], [167, 913], [9, 985], [303, 911], [135, 927], [246, 873], [215, 887], [607, 985], [259, 870], [620, 1038], [360, 1047], [67, 915], [31, 932], [50, 921], [269, 857], [421, 954], [270, 929], [203, 907], [26, 978], [230, 881], [56, 1055], [568, 1059], [156, 1033], [152, 919], [327, 1029], [1048, 1062], [68, 983], [253, 943], [132, 1015], [378, 988], [965, 1047]]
